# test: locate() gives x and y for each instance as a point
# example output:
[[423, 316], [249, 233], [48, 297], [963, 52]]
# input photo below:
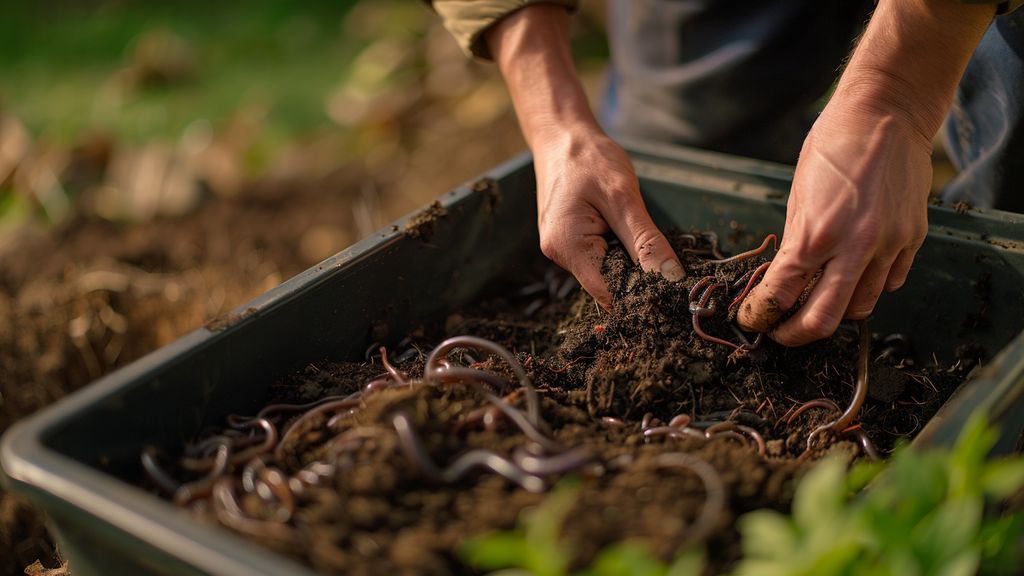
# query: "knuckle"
[[620, 193], [550, 246], [896, 282], [860, 312], [647, 242], [818, 324]]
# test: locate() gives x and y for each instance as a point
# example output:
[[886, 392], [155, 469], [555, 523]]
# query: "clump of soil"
[[372, 483]]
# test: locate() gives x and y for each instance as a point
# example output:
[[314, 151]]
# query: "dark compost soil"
[[390, 477]]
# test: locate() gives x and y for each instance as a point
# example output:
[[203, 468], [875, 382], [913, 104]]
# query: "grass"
[[60, 60]]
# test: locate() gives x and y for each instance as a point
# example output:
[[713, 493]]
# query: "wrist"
[[878, 100], [907, 64], [532, 50]]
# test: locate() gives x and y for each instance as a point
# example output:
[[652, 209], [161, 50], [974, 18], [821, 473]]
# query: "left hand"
[[857, 212]]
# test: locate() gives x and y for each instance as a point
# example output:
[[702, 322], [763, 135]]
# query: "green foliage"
[[536, 548], [924, 516]]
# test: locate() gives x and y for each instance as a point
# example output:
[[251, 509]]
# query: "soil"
[[359, 500], [90, 296]]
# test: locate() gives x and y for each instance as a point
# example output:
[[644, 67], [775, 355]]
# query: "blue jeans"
[[743, 77]]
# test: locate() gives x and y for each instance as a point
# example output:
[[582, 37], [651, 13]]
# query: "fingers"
[[780, 289], [900, 268], [825, 307], [582, 257], [642, 239], [869, 288]]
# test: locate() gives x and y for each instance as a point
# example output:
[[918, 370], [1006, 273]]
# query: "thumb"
[[642, 239]]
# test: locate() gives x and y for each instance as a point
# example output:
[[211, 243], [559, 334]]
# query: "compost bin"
[[78, 459]]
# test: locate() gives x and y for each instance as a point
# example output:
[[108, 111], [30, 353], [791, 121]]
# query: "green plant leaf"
[[1002, 478], [862, 474], [964, 564], [949, 531], [767, 534], [625, 559], [689, 562], [494, 551], [820, 495]]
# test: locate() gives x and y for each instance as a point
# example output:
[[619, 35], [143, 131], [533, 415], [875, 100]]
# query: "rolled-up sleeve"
[[467, 20]]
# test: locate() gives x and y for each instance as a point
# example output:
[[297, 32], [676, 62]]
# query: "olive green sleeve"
[[468, 19]]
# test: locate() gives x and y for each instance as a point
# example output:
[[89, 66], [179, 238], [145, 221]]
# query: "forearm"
[[910, 59], [532, 50]]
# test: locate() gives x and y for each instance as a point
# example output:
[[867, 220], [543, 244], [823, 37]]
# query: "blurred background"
[[162, 163]]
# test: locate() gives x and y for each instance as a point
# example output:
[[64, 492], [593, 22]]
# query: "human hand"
[[586, 187], [857, 211]]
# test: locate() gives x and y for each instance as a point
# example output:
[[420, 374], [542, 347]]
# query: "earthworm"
[[739, 414], [672, 432], [417, 454], [561, 464], [700, 285], [859, 393], [894, 346], [162, 479], [819, 403], [704, 308], [762, 447], [316, 470], [749, 253], [373, 386], [409, 354], [269, 441], [865, 442], [203, 450], [249, 474], [712, 239], [413, 448], [700, 332], [533, 307], [532, 400], [610, 422], [521, 422], [755, 275], [463, 374], [236, 421], [731, 434], [495, 463], [395, 372], [230, 514], [201, 487], [301, 421], [645, 422], [276, 488], [714, 491], [680, 421]]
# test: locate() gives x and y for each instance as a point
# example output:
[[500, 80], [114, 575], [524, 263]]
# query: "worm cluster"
[[242, 462], [256, 476], [702, 306]]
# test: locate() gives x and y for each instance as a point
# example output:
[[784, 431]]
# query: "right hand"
[[586, 187]]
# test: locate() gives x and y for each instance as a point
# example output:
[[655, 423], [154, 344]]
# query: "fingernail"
[[672, 271]]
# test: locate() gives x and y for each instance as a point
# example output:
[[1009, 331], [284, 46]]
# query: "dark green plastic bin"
[[77, 459]]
